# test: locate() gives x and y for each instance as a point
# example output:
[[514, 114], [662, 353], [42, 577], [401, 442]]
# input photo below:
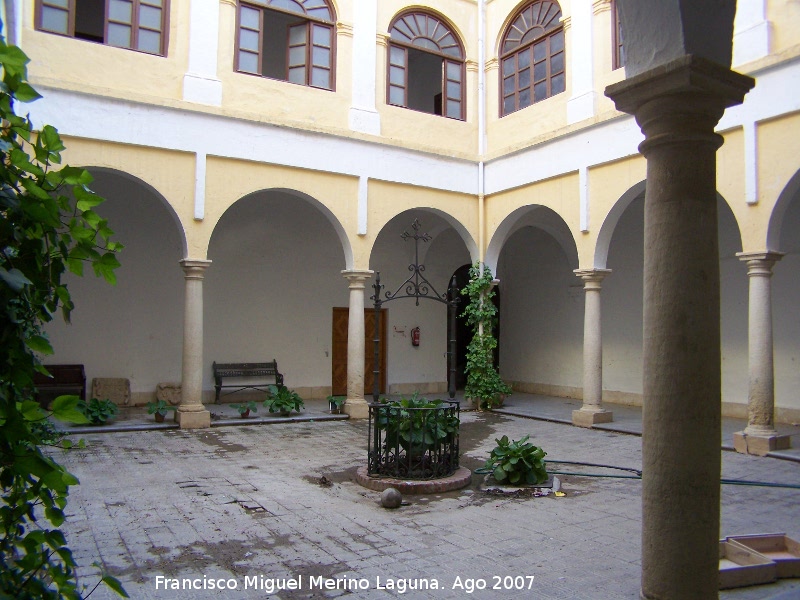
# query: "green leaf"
[[65, 408], [32, 411], [499, 475], [115, 585], [25, 93], [40, 344]]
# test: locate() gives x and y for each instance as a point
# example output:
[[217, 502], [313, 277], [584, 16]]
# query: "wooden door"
[[341, 318]]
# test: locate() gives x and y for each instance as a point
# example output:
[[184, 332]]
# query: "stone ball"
[[391, 498]]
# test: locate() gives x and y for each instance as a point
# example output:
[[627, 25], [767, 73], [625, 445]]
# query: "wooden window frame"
[[309, 22], [71, 10], [617, 47], [446, 58], [517, 51]]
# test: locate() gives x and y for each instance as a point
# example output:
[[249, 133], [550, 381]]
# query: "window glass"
[[119, 35], [54, 19], [535, 36], [287, 47], [249, 17], [248, 62], [119, 10], [150, 17], [320, 78], [149, 41], [426, 60]]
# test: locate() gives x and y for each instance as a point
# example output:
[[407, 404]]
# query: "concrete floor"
[[248, 504]]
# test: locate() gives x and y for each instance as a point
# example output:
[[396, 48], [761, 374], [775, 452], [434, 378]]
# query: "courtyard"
[[174, 513]]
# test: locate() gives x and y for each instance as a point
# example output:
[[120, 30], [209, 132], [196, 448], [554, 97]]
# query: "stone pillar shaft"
[[356, 405], [760, 436], [592, 410], [191, 413], [678, 105]]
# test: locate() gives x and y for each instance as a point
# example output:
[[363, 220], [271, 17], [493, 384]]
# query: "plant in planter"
[[517, 462], [98, 411], [483, 385], [245, 408], [410, 426], [159, 409], [336, 403], [282, 400]]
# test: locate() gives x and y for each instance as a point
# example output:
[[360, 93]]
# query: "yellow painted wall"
[[170, 174], [229, 180], [784, 18], [561, 194]]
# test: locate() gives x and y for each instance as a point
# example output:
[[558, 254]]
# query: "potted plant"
[[159, 410], [484, 385], [336, 403], [244, 408], [98, 411], [517, 462], [282, 400], [411, 424]]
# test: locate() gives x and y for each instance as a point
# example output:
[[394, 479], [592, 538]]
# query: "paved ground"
[[245, 504]]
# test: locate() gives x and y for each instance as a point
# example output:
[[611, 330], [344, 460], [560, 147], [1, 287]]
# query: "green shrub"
[[409, 425], [517, 462], [282, 399], [98, 411]]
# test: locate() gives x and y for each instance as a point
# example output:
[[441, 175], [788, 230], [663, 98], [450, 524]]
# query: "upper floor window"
[[617, 49], [426, 66], [290, 40], [136, 24], [532, 56]]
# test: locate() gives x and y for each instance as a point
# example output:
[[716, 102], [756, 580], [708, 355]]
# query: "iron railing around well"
[[413, 439]]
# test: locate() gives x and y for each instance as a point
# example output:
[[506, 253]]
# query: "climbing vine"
[[483, 381], [47, 226]]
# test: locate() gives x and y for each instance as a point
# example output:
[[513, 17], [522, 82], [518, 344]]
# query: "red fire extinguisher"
[[415, 336]]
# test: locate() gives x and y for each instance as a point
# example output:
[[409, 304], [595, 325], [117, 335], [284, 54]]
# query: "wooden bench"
[[66, 379], [246, 376]]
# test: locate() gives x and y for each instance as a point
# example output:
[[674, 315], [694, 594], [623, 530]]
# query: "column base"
[[760, 444], [357, 408], [195, 419], [588, 418]]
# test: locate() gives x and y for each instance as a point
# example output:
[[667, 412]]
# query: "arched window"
[[532, 56], [290, 40], [135, 24], [426, 66]]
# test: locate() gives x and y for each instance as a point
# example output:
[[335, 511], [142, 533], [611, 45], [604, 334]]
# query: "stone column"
[[677, 105], [592, 410], [356, 405], [760, 437], [191, 413]]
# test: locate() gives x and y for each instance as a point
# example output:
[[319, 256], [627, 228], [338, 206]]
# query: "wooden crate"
[[778, 547], [739, 566]]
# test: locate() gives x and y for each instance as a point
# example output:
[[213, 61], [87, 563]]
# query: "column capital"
[[356, 276], [760, 263], [194, 268], [592, 277], [681, 101]]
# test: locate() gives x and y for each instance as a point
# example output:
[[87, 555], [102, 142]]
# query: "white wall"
[[133, 330], [786, 314], [541, 312], [269, 292], [425, 364]]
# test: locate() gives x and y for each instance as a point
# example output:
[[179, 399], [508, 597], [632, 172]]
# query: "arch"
[[606, 233], [427, 30], [164, 202], [347, 247], [531, 55], [610, 223], [789, 193], [538, 216], [463, 233], [320, 9]]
